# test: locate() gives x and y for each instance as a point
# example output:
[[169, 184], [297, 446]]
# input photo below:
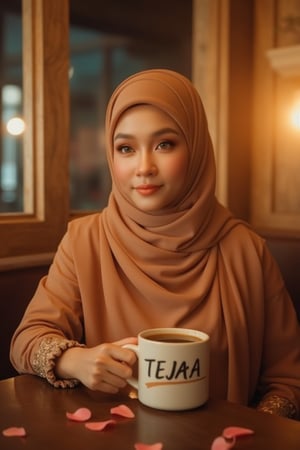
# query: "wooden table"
[[31, 402]]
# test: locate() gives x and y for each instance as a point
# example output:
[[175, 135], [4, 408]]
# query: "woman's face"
[[150, 158]]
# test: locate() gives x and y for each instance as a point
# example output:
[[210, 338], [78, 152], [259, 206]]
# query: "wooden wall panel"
[[276, 143]]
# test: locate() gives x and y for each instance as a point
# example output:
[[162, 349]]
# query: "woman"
[[165, 253]]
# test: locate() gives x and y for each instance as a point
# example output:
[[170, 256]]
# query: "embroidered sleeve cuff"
[[279, 406], [43, 363]]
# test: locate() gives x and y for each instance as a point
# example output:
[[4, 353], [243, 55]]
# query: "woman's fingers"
[[123, 355], [109, 367], [105, 367]]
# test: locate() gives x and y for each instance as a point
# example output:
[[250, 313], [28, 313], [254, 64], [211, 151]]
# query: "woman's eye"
[[165, 145], [124, 149]]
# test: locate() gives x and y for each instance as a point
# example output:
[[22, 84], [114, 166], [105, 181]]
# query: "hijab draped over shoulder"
[[170, 267], [165, 253]]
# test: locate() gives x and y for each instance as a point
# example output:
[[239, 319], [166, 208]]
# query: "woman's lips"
[[147, 189]]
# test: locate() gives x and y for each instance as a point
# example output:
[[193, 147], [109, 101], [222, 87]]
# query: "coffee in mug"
[[173, 368]]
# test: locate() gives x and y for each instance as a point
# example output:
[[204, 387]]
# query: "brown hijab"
[[166, 253], [163, 267], [197, 221]]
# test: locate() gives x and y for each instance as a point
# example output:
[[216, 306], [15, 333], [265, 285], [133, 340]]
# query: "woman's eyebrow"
[[164, 131], [123, 136], [155, 134]]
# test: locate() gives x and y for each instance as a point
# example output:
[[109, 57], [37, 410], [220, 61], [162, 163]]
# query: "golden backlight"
[[295, 113]]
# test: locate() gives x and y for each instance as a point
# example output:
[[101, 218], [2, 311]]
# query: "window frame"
[[36, 232]]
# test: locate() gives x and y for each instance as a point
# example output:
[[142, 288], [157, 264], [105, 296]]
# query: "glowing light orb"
[[15, 126]]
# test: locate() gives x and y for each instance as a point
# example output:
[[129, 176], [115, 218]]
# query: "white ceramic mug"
[[173, 368]]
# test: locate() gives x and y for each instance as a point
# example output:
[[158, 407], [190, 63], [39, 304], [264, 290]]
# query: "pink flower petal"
[[141, 446], [231, 432], [220, 443], [80, 415], [14, 431], [99, 426], [122, 410]]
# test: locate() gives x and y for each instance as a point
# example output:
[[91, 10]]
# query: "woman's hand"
[[105, 367]]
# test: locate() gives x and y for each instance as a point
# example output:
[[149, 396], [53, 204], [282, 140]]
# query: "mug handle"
[[133, 381]]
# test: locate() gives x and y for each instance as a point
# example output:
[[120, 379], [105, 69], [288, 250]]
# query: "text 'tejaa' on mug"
[[173, 368]]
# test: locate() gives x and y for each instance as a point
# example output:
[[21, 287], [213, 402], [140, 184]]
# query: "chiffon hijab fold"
[[165, 265], [178, 238]]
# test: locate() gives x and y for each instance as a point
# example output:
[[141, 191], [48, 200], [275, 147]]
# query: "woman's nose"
[[146, 165]]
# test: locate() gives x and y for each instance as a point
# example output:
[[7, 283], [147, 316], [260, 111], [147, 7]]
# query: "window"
[[74, 55], [11, 144], [41, 219]]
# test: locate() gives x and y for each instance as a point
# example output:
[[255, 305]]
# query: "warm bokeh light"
[[15, 126], [295, 112], [296, 118]]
